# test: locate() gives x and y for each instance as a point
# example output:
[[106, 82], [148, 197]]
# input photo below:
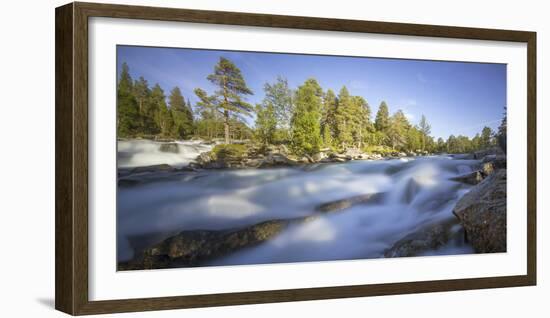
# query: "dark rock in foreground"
[[428, 237], [191, 248], [482, 213], [194, 247]]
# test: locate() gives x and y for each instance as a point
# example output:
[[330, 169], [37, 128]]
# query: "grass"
[[229, 152], [382, 150]]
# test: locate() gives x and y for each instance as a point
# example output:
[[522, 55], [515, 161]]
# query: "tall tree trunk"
[[226, 126]]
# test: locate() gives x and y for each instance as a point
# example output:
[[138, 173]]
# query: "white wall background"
[[27, 158]]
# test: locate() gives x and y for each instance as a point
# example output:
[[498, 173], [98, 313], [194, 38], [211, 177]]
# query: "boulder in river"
[[482, 213], [428, 237], [342, 204], [169, 147], [192, 248], [472, 178]]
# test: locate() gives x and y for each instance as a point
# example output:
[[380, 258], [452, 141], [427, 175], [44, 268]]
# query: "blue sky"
[[456, 98]]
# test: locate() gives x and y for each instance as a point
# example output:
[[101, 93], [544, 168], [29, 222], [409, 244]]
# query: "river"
[[416, 191]]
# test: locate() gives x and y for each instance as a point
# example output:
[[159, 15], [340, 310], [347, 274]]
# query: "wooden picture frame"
[[71, 89]]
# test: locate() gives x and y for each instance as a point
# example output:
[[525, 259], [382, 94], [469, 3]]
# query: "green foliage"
[[329, 129], [127, 107], [266, 123], [306, 118], [502, 135], [228, 99], [305, 123], [227, 152], [344, 118], [397, 130], [382, 122], [181, 114], [425, 129], [279, 96], [378, 149], [142, 111], [486, 137]]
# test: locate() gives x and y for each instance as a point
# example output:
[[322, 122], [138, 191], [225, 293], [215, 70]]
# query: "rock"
[[482, 213], [499, 161], [427, 238], [463, 156], [318, 156], [401, 154], [169, 147], [204, 158], [277, 160], [253, 162], [153, 168], [491, 163], [489, 151], [342, 204], [376, 156], [191, 248], [352, 152], [472, 178], [339, 157], [194, 165], [487, 168]]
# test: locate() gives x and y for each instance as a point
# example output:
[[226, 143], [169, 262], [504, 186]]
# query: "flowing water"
[[139, 153], [416, 191]]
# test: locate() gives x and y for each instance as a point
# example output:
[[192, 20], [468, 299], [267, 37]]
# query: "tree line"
[[306, 118]]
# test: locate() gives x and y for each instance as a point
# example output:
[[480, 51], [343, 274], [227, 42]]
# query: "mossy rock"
[[229, 152]]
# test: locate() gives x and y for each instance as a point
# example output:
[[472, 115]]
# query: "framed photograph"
[[210, 158]]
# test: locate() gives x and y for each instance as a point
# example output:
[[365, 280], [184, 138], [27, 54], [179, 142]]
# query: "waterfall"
[[137, 153]]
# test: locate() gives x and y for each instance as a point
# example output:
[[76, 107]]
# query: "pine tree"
[[208, 110], [305, 123], [399, 125], [231, 90], [486, 136], [382, 122], [361, 120], [425, 129], [414, 139], [147, 109], [127, 107], [163, 117], [344, 118], [329, 127], [502, 135], [181, 114]]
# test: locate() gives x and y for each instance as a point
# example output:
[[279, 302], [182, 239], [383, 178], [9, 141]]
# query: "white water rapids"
[[139, 153], [227, 199]]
